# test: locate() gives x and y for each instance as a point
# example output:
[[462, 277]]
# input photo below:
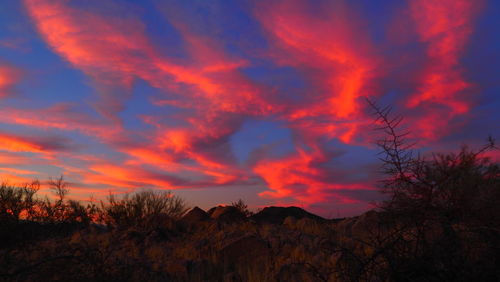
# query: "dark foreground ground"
[[276, 244]]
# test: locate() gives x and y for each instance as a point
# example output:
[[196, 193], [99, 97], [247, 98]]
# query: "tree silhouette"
[[445, 207]]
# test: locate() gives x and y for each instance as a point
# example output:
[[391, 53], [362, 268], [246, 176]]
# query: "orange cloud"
[[19, 171], [131, 176], [9, 158], [14, 178], [17, 144], [218, 173]]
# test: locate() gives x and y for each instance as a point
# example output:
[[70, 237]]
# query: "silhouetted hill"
[[276, 215], [195, 215]]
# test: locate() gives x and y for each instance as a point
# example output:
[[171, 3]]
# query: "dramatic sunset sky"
[[220, 100]]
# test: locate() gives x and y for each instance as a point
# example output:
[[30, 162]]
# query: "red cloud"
[[113, 50], [331, 43], [110, 49], [304, 178], [9, 76], [91, 42], [202, 147], [444, 26], [116, 50]]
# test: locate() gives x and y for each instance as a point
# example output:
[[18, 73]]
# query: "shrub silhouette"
[[454, 184], [242, 207], [18, 201], [142, 209]]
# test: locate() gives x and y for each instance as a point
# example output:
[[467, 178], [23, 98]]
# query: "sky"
[[220, 100]]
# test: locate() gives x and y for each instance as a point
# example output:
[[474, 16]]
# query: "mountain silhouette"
[[276, 215]]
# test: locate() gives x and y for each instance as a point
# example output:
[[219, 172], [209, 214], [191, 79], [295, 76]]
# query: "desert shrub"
[[75, 211], [463, 186], [459, 186], [68, 211], [141, 209], [242, 207], [62, 210], [449, 207], [18, 201], [455, 185]]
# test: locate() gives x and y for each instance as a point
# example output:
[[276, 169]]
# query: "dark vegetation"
[[440, 222]]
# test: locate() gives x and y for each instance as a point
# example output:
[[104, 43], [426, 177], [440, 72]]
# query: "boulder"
[[195, 215], [227, 214], [211, 211]]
